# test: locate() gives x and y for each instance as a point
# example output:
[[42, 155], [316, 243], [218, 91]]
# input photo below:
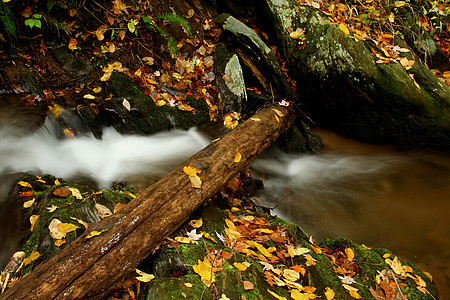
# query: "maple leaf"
[[194, 235], [206, 271]]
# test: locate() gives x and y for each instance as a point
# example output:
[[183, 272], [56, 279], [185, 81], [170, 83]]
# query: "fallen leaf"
[[344, 28], [59, 242], [396, 266], [26, 194], [53, 228], [103, 211], [208, 236], [350, 254], [25, 184], [66, 227], [206, 271], [224, 297], [52, 208], [73, 44], [276, 295], [428, 275], [126, 104], [188, 284], [184, 240], [191, 171], [89, 96], [76, 193], [291, 275], [194, 235], [196, 182], [241, 266], [81, 222], [97, 89], [144, 277], [248, 285], [33, 221], [196, 223], [329, 293], [95, 233], [255, 119], [28, 204], [33, 256], [62, 192], [237, 157]]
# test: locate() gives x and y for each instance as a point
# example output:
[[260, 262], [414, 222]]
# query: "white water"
[[375, 195], [114, 158]]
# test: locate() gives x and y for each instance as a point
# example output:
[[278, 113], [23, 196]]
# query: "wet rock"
[[230, 85], [345, 89], [92, 120], [74, 63]]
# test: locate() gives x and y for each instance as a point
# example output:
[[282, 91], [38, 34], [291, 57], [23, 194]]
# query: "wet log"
[[90, 267]]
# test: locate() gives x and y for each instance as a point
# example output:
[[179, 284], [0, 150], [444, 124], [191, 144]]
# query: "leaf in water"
[[248, 285], [144, 277], [103, 211], [329, 293], [59, 242], [66, 227], [95, 233], [28, 204], [237, 157], [76, 193], [25, 184], [33, 221], [33, 256], [196, 223]]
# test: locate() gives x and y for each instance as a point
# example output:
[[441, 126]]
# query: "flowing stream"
[[377, 195]]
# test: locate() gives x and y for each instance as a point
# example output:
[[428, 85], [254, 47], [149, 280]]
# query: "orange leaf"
[[248, 285]]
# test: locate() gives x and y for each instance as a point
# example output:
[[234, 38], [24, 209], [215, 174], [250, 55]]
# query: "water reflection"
[[376, 195]]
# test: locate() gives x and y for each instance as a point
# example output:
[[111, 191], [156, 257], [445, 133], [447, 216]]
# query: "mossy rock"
[[228, 280], [67, 209]]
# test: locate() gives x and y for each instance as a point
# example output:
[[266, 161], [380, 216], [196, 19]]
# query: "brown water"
[[377, 195]]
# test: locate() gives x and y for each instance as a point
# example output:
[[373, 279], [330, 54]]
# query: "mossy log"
[[90, 267]]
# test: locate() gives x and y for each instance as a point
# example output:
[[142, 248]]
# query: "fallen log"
[[90, 267]]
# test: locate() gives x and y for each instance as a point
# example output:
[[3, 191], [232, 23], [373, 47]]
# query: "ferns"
[[177, 19], [7, 18], [173, 18]]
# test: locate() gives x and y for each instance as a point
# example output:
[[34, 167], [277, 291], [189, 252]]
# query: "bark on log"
[[89, 268]]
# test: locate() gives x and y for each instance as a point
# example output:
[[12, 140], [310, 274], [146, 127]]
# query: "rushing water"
[[376, 195]]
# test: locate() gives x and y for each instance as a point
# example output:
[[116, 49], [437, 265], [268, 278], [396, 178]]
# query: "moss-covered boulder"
[[279, 258], [344, 88], [42, 199]]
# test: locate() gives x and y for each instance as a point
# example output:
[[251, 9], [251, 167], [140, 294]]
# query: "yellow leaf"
[[196, 182], [399, 3], [255, 119], [196, 223], [39, 179], [309, 260], [276, 118], [279, 113], [263, 230], [25, 184], [350, 254], [33, 256], [89, 96], [59, 242], [343, 7], [237, 157], [94, 233], [160, 103], [428, 275], [230, 224], [299, 250], [329, 293], [33, 221], [354, 294], [184, 240], [260, 248], [66, 227], [316, 249], [291, 275], [57, 182], [208, 236], [97, 89], [144, 276], [224, 297], [392, 17], [352, 291], [242, 266], [296, 295], [396, 265], [191, 171], [365, 247], [276, 295], [53, 228], [407, 269], [206, 271], [126, 104], [76, 193], [344, 28], [28, 204], [386, 255], [52, 208], [296, 34], [188, 284]]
